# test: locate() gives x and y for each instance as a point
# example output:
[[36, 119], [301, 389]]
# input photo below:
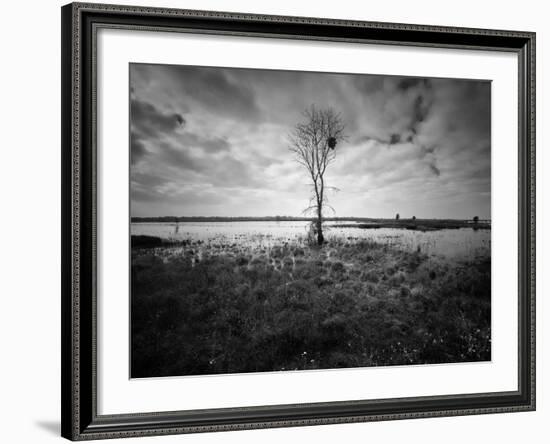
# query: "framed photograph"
[[280, 221]]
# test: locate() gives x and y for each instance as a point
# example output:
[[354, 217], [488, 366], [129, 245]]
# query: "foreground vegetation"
[[228, 309]]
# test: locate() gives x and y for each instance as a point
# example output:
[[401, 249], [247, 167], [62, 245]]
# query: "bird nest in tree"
[[331, 141]]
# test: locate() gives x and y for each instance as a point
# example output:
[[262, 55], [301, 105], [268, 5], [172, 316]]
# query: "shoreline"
[[372, 220]]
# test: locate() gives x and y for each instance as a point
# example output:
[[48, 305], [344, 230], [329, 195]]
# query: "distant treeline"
[[292, 218]]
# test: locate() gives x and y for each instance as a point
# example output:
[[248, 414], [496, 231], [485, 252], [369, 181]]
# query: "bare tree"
[[313, 143]]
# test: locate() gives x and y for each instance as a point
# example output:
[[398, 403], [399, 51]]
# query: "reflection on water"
[[463, 242]]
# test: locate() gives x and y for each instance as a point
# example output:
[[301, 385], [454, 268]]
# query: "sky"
[[209, 141]]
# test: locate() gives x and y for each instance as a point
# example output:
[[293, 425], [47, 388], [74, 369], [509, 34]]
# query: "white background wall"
[[30, 221]]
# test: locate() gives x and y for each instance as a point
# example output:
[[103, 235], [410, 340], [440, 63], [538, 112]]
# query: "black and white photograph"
[[290, 220]]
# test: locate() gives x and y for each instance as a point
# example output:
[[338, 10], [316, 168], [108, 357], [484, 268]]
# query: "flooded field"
[[232, 297], [451, 243]]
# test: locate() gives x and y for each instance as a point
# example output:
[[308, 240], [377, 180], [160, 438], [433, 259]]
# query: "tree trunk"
[[320, 238]]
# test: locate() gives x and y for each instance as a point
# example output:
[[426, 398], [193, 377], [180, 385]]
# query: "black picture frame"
[[80, 420]]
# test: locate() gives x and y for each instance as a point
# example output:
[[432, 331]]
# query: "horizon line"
[[307, 217]]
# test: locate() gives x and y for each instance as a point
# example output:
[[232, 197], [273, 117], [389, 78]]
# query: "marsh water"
[[455, 243]]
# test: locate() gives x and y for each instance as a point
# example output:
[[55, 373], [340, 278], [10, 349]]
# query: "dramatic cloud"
[[137, 148], [214, 141], [152, 122]]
